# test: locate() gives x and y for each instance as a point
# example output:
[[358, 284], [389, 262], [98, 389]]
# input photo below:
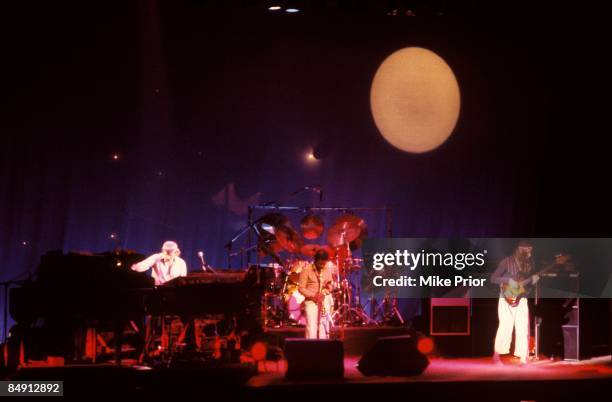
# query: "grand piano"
[[74, 292]]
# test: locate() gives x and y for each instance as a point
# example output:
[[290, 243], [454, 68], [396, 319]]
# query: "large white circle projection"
[[415, 100]]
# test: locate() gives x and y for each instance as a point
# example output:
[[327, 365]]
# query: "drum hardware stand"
[[373, 308], [387, 309], [366, 319], [342, 316], [346, 310], [537, 322]]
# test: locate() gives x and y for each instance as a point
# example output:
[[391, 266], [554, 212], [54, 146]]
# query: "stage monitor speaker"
[[571, 343], [450, 316], [394, 356], [314, 359], [584, 336]]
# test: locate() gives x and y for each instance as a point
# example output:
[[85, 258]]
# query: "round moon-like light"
[[415, 100]]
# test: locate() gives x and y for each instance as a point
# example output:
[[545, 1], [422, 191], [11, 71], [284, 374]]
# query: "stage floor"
[[458, 379], [439, 369], [474, 379]]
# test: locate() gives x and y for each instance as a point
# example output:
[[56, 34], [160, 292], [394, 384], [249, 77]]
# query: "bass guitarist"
[[512, 274]]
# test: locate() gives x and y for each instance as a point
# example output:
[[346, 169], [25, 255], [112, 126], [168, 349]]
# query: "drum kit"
[[283, 302]]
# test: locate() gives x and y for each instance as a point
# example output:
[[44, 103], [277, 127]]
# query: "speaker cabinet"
[[584, 336], [314, 359], [450, 316], [394, 356]]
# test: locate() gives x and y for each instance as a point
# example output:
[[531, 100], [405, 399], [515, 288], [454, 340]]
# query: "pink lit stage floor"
[[474, 379], [461, 379]]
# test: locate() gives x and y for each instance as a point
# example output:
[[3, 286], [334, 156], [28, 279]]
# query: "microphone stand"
[[296, 192], [242, 231], [205, 266]]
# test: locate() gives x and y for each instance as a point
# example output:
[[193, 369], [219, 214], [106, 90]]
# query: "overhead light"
[[274, 8], [292, 10]]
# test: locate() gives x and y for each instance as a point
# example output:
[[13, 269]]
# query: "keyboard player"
[[166, 265]]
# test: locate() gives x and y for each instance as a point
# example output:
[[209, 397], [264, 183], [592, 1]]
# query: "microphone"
[[201, 255], [205, 266]]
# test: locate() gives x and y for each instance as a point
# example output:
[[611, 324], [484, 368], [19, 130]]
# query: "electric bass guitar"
[[521, 287]]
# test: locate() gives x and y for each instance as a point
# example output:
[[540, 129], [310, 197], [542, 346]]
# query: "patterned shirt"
[[509, 268]]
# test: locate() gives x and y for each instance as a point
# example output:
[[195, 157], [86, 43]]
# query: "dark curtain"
[[132, 123]]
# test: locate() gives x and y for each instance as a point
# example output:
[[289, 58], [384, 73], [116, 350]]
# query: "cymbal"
[[274, 219], [289, 239], [312, 226], [269, 248], [267, 228], [358, 242], [309, 250], [345, 229]]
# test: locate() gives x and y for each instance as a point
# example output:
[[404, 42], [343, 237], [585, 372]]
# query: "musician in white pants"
[[513, 317], [315, 284], [517, 318]]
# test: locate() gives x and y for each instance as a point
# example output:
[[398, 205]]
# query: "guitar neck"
[[540, 272]]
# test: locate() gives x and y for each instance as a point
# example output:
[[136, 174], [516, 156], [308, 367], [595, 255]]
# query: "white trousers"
[[312, 318], [510, 318]]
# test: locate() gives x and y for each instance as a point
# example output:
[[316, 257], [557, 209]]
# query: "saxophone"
[[323, 312]]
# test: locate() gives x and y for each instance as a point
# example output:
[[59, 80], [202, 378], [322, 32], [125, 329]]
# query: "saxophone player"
[[316, 284]]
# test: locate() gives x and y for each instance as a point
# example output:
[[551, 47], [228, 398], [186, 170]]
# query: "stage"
[[457, 379], [444, 379], [191, 188], [263, 378]]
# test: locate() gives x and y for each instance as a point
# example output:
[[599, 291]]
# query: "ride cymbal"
[[345, 229]]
